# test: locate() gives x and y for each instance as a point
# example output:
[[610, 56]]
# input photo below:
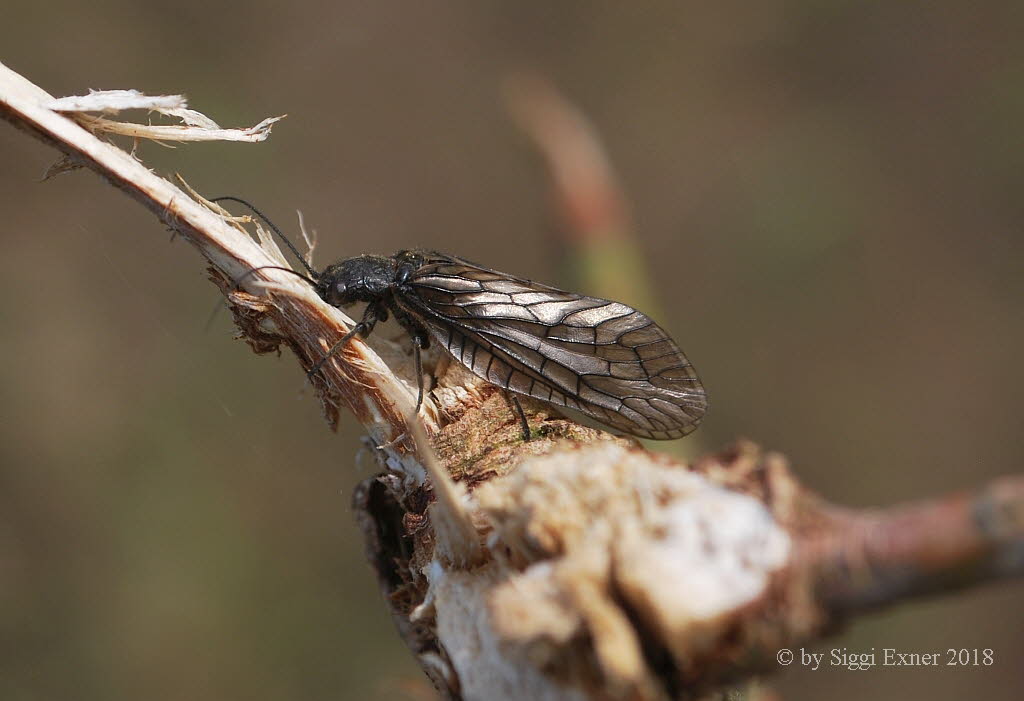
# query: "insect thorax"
[[364, 278]]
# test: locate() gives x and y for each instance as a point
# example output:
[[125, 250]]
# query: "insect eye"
[[340, 288]]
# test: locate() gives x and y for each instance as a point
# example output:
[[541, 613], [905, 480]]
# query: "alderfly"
[[600, 357]]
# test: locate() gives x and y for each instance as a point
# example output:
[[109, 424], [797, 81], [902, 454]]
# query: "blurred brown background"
[[830, 195]]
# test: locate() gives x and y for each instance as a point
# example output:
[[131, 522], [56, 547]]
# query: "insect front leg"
[[370, 318]]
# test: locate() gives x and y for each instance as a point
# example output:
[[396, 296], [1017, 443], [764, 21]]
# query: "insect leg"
[[522, 417], [363, 328], [419, 374], [420, 341]]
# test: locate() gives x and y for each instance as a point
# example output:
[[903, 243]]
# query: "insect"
[[599, 357]]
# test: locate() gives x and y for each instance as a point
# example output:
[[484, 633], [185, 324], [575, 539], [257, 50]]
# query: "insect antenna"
[[291, 247], [237, 281]]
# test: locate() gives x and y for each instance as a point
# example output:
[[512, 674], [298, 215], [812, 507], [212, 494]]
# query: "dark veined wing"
[[600, 357]]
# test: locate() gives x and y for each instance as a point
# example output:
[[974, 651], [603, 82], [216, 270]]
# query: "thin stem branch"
[[923, 548]]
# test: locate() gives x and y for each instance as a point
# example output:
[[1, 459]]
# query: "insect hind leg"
[[523, 422]]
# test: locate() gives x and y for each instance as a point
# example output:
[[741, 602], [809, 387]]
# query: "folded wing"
[[599, 357]]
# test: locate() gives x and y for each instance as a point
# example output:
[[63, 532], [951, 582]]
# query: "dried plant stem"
[[576, 565]]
